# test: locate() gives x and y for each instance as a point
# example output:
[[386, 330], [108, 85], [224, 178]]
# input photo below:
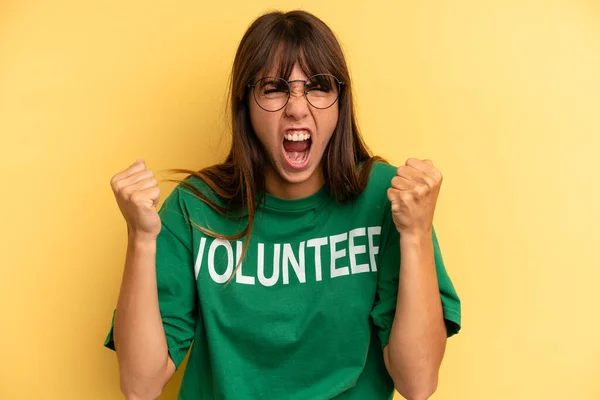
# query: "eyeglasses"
[[272, 94]]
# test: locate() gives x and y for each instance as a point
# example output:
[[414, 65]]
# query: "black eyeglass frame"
[[305, 93]]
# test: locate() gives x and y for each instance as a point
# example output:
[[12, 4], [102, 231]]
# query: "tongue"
[[297, 147]]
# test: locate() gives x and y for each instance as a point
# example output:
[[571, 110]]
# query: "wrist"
[[140, 240], [416, 236], [415, 241]]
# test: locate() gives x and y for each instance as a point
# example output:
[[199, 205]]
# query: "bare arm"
[[144, 363], [418, 336]]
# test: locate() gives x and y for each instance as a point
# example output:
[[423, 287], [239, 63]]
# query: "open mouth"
[[296, 146]]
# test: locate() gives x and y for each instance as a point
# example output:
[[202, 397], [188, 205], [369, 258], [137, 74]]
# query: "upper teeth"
[[296, 137]]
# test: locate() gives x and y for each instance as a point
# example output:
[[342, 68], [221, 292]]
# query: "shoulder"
[[380, 176], [382, 172], [189, 195], [379, 180]]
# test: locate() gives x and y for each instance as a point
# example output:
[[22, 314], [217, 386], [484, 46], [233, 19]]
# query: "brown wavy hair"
[[275, 42]]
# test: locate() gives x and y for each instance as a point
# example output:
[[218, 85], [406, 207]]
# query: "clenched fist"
[[413, 194], [137, 194]]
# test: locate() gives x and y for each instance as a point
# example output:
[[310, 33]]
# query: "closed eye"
[[269, 91]]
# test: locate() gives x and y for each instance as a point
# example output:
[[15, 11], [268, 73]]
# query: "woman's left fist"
[[413, 194]]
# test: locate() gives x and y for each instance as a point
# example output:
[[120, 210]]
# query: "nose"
[[297, 106]]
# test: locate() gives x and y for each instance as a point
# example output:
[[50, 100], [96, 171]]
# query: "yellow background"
[[502, 95]]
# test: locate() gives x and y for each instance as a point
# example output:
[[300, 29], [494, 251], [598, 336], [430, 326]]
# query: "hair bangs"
[[293, 42]]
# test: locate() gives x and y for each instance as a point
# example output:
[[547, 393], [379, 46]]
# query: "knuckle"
[[127, 192], [136, 197], [405, 196], [392, 195], [119, 186], [429, 181], [421, 190]]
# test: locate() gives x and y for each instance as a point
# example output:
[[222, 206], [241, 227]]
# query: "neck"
[[279, 187]]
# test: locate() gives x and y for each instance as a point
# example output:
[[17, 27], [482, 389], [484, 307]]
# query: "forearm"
[[139, 335], [418, 335]]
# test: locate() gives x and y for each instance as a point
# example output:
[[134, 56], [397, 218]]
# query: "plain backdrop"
[[503, 96]]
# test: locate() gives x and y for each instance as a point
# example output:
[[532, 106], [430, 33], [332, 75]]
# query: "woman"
[[282, 264]]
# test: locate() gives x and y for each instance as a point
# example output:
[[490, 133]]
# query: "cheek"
[[328, 122], [264, 124]]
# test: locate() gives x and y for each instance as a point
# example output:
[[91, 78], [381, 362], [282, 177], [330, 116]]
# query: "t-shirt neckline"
[[304, 203]]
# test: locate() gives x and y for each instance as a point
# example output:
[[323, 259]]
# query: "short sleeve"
[[177, 294], [388, 266]]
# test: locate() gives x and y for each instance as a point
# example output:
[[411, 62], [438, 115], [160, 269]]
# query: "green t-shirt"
[[306, 316]]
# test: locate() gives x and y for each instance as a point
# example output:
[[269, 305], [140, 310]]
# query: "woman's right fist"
[[137, 194]]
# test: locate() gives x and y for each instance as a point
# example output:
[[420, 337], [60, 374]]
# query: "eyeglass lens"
[[272, 93]]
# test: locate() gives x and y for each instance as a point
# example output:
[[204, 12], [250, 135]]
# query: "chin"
[[297, 176]]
